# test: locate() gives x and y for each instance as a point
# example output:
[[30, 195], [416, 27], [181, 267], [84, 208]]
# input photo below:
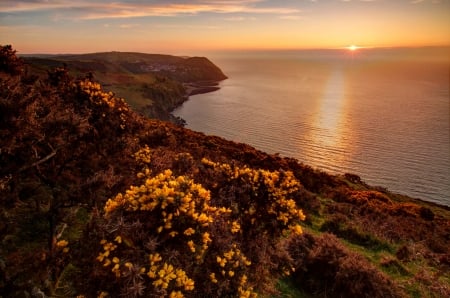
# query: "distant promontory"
[[153, 84]]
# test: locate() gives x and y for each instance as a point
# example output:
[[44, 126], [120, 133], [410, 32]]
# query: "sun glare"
[[352, 48]]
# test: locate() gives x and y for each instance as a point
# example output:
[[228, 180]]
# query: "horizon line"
[[359, 48]]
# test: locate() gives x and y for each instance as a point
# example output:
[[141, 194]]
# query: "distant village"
[[155, 67]]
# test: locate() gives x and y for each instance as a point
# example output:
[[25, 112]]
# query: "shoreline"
[[195, 88], [192, 88]]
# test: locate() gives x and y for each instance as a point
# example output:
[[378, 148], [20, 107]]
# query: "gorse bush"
[[163, 237], [263, 197]]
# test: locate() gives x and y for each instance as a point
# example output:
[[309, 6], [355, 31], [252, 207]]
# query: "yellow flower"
[[189, 232], [189, 285], [191, 245], [176, 294], [100, 257], [297, 229], [62, 243], [153, 258], [221, 261], [151, 274], [235, 227], [212, 276], [160, 283], [206, 238], [118, 239], [243, 279], [203, 218]]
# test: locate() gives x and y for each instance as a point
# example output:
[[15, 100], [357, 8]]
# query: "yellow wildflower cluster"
[[178, 215], [106, 257], [246, 292], [234, 258], [166, 192], [143, 155], [235, 227], [181, 206], [99, 97], [270, 190], [232, 266], [163, 275]]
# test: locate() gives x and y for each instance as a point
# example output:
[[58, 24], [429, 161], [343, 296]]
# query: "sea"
[[382, 114]]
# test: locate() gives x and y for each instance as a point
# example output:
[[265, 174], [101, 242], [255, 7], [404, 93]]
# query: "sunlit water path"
[[387, 121]]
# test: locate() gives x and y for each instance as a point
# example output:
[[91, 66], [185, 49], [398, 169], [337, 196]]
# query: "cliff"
[[98, 200]]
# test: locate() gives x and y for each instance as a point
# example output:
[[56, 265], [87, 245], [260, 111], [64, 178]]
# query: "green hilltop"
[[100, 201], [153, 84]]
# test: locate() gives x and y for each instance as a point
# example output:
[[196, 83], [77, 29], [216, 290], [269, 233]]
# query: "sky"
[[186, 27]]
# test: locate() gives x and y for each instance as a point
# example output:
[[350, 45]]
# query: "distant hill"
[[153, 84]]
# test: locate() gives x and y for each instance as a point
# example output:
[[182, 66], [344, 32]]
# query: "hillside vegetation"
[[152, 84], [99, 201]]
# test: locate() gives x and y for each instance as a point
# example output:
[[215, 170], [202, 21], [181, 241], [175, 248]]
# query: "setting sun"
[[352, 48]]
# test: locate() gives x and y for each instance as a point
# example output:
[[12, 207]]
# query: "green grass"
[[288, 289]]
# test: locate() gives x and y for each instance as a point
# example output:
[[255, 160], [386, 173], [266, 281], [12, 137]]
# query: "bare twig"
[[37, 162]]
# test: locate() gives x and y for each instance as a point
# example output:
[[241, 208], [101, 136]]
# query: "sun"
[[352, 47]]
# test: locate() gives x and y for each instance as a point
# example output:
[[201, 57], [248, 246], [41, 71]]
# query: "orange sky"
[[185, 27]]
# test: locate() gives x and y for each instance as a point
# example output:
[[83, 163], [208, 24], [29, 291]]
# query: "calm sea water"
[[383, 115]]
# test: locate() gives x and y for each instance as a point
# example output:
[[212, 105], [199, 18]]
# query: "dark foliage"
[[9, 62], [324, 267]]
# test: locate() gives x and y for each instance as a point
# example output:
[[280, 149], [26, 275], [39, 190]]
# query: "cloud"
[[129, 9], [421, 1], [235, 19], [290, 17], [128, 26]]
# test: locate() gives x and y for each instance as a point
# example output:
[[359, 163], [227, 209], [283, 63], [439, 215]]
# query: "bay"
[[380, 114]]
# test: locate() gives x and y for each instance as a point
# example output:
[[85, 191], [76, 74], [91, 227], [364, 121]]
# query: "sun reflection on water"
[[329, 134]]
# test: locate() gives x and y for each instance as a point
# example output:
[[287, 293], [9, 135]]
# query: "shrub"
[[324, 265], [164, 237]]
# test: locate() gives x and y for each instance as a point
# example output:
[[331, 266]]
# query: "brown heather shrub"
[[324, 267]]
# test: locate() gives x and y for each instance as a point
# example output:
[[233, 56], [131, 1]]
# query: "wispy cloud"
[[129, 9], [290, 17], [128, 26], [421, 1], [239, 19]]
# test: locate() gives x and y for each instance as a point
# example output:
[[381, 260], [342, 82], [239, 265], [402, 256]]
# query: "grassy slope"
[[405, 238]]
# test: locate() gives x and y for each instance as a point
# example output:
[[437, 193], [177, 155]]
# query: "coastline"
[[191, 88]]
